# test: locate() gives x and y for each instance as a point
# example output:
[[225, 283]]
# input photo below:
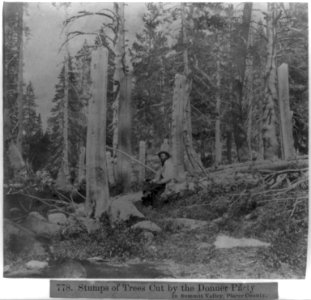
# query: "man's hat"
[[165, 148]]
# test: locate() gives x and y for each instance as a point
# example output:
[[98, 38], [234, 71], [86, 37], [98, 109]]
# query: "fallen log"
[[261, 165]]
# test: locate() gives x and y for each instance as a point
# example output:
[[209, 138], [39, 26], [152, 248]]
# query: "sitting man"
[[154, 188]]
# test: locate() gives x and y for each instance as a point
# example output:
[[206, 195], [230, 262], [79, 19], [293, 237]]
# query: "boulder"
[[18, 239], [91, 225], [188, 224], [36, 265], [223, 241], [147, 225], [6, 268], [133, 197], [148, 236], [122, 210], [80, 210], [57, 218], [68, 269], [40, 225]]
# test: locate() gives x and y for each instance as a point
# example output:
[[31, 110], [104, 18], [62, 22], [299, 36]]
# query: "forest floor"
[[269, 233]]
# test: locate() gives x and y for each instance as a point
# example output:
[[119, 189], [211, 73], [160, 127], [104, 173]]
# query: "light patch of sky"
[[43, 55]]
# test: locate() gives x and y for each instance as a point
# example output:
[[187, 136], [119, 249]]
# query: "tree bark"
[[218, 145], [124, 133], [20, 94], [65, 161], [97, 190], [110, 167], [142, 159], [81, 168], [240, 135], [269, 130], [288, 150], [193, 162], [177, 126], [119, 49]]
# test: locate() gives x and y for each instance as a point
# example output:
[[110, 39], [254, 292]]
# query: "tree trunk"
[[269, 130], [288, 150], [142, 159], [218, 145], [81, 168], [124, 133], [19, 100], [65, 161], [97, 190], [177, 126], [119, 49], [192, 159], [240, 135], [110, 167]]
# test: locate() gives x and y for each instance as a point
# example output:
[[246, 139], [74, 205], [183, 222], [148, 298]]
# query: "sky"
[[42, 55]]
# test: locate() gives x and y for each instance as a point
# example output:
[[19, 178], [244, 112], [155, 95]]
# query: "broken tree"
[[97, 190], [269, 128], [288, 150]]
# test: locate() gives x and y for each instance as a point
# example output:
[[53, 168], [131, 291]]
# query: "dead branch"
[[132, 158]]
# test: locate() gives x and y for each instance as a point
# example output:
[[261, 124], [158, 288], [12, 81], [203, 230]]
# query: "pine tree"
[[151, 94], [56, 122]]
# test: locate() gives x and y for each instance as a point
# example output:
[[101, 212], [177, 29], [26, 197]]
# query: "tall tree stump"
[[177, 126], [142, 159], [97, 190], [124, 166], [110, 167], [81, 167], [288, 149]]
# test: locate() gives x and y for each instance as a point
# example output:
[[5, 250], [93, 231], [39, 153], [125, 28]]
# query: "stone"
[[21, 240], [57, 218], [95, 259], [6, 268], [69, 269], [223, 241], [40, 225], [38, 249], [188, 224], [147, 225], [132, 197], [80, 210], [36, 265], [122, 210], [148, 236], [204, 245], [91, 225]]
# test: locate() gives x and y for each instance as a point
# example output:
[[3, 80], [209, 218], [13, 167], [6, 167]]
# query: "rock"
[[133, 197], [57, 218], [147, 225], [223, 241], [38, 249], [36, 265], [148, 236], [189, 224], [91, 225], [40, 225], [6, 268], [21, 240], [122, 210], [80, 210], [204, 245], [69, 269], [95, 259]]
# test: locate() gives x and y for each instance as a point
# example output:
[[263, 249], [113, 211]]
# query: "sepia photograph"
[[155, 140]]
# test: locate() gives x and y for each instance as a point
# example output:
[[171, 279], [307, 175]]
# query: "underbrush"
[[120, 242]]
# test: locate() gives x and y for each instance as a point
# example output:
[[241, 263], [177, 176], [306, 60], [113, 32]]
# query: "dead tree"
[[97, 190], [269, 129], [288, 150]]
